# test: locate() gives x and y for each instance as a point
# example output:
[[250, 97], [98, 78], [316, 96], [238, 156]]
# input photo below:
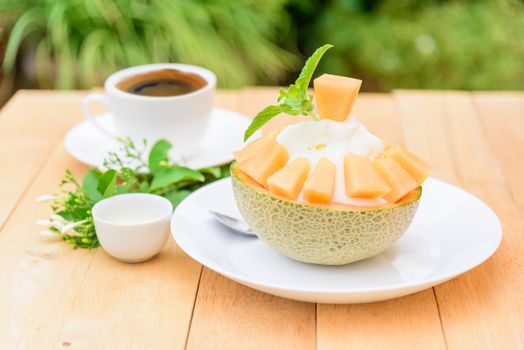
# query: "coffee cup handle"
[[86, 103]]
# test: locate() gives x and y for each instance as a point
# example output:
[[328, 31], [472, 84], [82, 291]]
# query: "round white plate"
[[225, 135], [453, 231]]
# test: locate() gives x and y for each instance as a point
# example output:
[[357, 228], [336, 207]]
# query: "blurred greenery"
[[425, 44], [437, 44], [77, 43]]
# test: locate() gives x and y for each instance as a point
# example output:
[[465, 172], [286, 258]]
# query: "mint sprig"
[[293, 101], [125, 171]]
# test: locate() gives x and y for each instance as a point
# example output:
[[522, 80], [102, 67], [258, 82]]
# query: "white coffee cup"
[[132, 227], [182, 119]]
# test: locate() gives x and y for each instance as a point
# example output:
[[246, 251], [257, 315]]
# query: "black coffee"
[[164, 82]]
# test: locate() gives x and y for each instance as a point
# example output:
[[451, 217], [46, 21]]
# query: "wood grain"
[[379, 113], [39, 277], [228, 99], [137, 306], [31, 124], [421, 116], [231, 316], [387, 324], [155, 298], [411, 322], [502, 115], [54, 296], [481, 309]]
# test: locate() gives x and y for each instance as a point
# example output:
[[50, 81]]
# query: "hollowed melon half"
[[321, 234]]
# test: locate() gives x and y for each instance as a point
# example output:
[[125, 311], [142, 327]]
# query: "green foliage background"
[[77, 43], [426, 44], [437, 44]]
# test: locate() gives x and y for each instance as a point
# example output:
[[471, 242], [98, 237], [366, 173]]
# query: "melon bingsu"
[[327, 191]]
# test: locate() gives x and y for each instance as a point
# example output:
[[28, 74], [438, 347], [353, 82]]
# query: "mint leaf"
[[107, 183], [76, 200], [97, 185], [158, 154], [215, 172], [74, 214], [295, 100], [226, 171], [169, 176], [90, 185], [282, 94], [176, 197], [262, 118], [143, 187], [299, 89]]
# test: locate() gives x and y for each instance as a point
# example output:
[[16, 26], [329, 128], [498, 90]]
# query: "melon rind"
[[321, 235]]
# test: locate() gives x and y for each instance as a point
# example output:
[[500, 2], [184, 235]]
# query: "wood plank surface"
[[155, 298], [133, 306], [31, 124], [40, 280], [481, 309], [502, 116], [229, 315], [52, 296], [39, 277], [387, 324]]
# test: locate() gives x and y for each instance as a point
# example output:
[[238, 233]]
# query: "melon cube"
[[362, 180], [269, 159], [254, 147], [335, 96], [288, 181], [415, 166], [320, 184], [400, 181]]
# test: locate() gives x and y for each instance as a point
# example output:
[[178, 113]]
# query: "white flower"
[[70, 227], [73, 233], [57, 224], [45, 198], [58, 218]]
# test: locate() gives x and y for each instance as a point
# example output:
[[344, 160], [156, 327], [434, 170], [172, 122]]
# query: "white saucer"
[[453, 232], [225, 135]]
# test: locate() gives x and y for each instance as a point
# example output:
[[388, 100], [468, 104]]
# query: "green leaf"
[[262, 118], [123, 190], [74, 214], [299, 89], [169, 176], [127, 181], [176, 197], [226, 171], [215, 172], [90, 185], [27, 25], [107, 183], [293, 101], [143, 187], [158, 154]]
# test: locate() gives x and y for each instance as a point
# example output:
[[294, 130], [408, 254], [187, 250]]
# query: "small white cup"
[[182, 119], [133, 227]]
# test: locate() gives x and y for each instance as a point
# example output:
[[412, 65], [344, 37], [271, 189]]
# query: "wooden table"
[[52, 296]]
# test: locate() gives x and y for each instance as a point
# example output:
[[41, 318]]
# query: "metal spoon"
[[237, 225]]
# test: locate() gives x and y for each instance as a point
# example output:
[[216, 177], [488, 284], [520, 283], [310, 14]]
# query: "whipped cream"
[[327, 138]]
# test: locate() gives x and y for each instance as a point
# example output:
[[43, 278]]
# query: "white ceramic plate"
[[453, 231], [85, 143]]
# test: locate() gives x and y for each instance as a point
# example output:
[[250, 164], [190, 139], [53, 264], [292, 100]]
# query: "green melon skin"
[[326, 236]]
